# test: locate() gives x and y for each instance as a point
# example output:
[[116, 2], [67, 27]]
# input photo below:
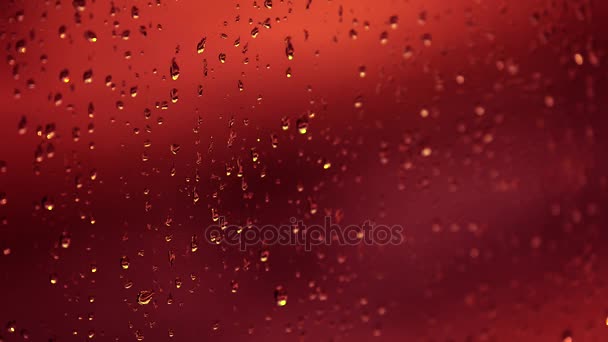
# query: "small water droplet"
[[64, 76], [124, 262], [200, 46], [280, 296], [144, 297], [289, 50], [174, 70], [90, 36]]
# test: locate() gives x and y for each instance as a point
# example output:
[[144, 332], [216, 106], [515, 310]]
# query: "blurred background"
[[129, 127]]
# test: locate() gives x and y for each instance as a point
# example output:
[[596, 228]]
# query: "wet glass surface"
[[316, 170]]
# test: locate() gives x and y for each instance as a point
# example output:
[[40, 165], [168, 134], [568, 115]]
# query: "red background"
[[504, 221]]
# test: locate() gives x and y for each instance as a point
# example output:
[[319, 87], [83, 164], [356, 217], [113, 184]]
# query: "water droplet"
[[384, 38], [144, 297], [90, 36], [408, 52], [289, 50], [426, 151], [22, 125], [193, 244], [174, 95], [48, 204], [174, 70], [264, 254], [394, 21], [11, 327], [87, 76], [20, 46], [427, 39], [124, 262], [64, 76], [65, 241], [134, 12], [302, 124], [234, 286], [284, 123], [422, 18], [215, 326], [200, 46], [280, 296], [362, 71], [274, 140], [62, 32], [358, 102]]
